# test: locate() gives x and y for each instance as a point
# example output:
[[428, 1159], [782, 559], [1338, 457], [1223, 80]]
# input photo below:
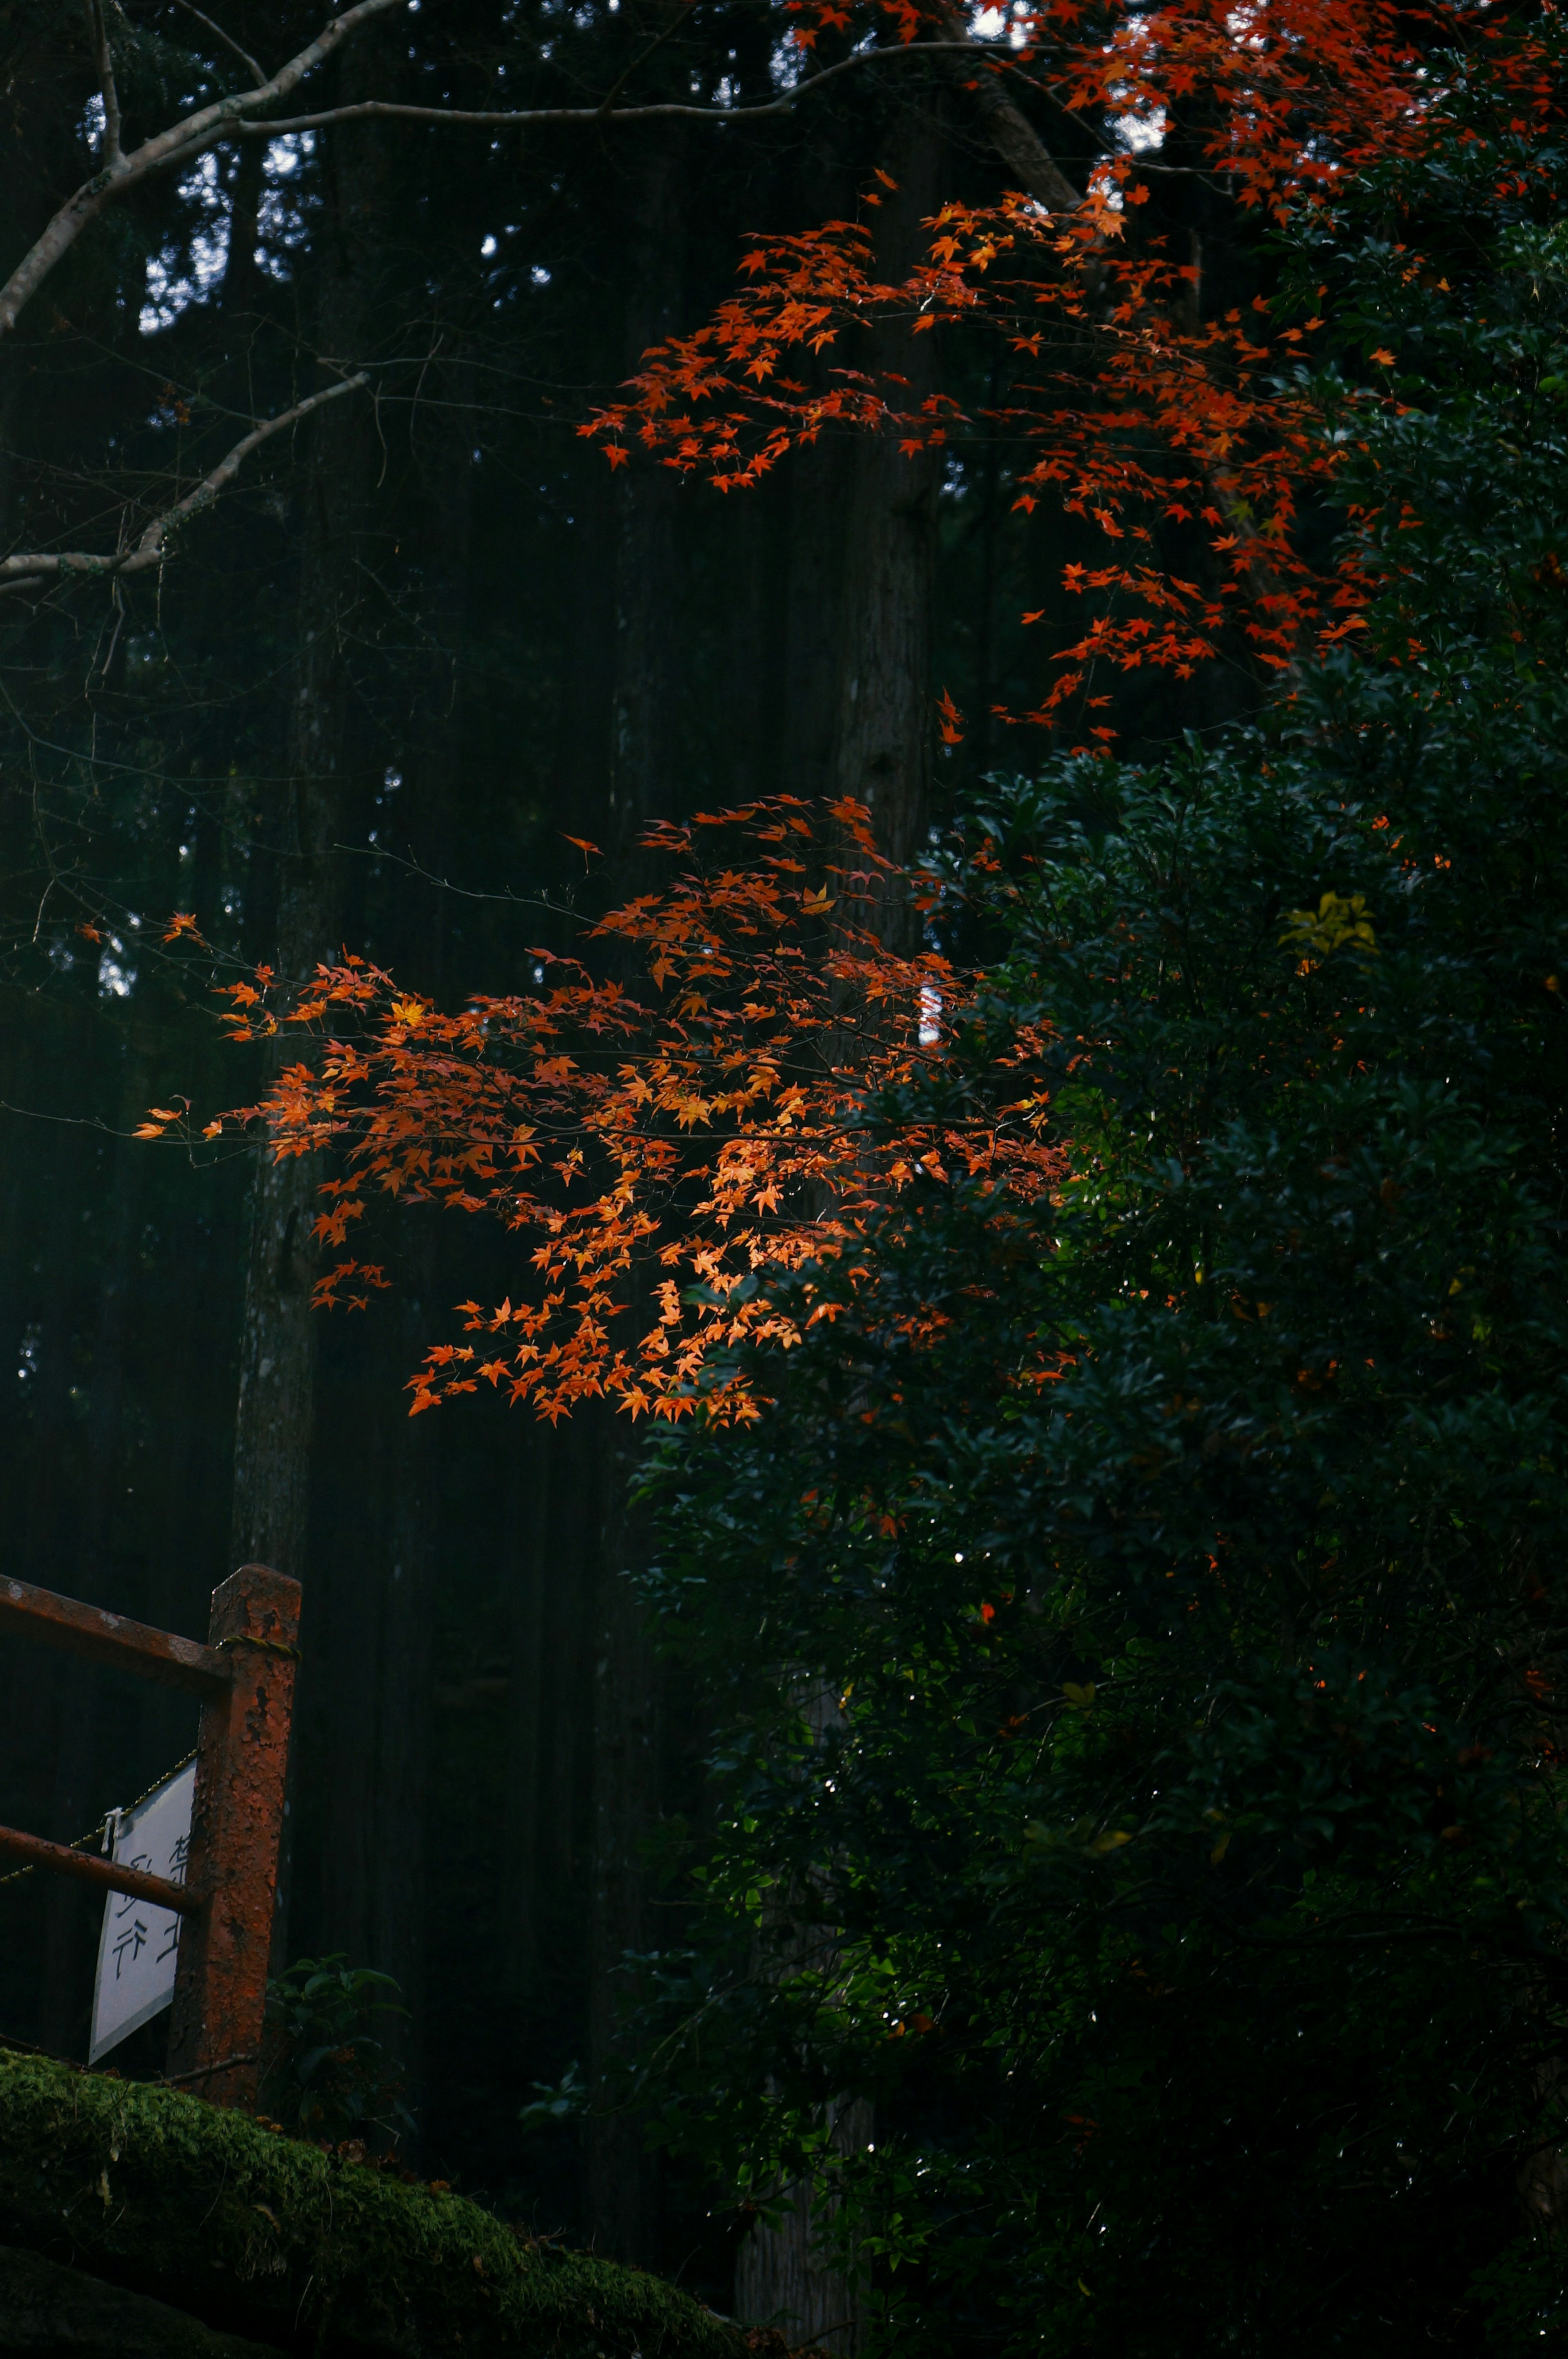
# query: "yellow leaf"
[[1339, 922]]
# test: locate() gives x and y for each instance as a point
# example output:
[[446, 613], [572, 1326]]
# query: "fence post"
[[220, 1991]]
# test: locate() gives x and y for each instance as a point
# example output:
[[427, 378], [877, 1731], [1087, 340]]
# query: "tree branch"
[[44, 565], [514, 118], [177, 145], [225, 117]]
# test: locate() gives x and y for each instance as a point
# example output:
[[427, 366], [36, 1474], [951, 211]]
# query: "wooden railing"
[[244, 1679]]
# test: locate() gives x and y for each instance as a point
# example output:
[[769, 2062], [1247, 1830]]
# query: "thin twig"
[[464, 892], [616, 87], [228, 40], [205, 2071]]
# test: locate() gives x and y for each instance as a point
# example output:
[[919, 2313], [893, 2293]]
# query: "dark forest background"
[[421, 641]]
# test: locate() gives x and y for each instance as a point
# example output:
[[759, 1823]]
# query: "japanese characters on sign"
[[140, 1942]]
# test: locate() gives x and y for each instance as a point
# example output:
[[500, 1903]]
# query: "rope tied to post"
[[268, 1646], [103, 1832]]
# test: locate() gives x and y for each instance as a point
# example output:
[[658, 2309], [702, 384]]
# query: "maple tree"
[[725, 1106], [1162, 423], [1134, 411], [720, 1119]]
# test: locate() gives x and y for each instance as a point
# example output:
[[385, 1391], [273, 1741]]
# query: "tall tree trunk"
[[647, 696], [821, 479], [882, 757], [529, 1567], [622, 2188], [374, 1639], [67, 1914], [51, 1353], [621, 2185], [375, 1632], [781, 2277], [324, 771], [275, 1409], [883, 753]]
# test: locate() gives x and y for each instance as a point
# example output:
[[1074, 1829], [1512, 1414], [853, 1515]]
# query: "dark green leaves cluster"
[[1145, 1701], [326, 2073]]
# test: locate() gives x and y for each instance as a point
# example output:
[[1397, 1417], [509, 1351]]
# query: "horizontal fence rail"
[[34, 1851], [112, 1639]]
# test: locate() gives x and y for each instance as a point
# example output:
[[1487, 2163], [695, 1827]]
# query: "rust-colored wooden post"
[[220, 1991]]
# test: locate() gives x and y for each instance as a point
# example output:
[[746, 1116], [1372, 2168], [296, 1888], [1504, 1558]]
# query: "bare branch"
[[44, 565], [502, 119], [228, 40], [177, 145], [104, 62], [225, 117]]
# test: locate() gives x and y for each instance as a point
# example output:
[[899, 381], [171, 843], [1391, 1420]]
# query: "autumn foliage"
[[739, 1072], [734, 1079], [1128, 418], [1292, 93], [1132, 409]]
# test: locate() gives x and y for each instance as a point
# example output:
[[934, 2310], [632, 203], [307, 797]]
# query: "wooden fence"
[[244, 1678]]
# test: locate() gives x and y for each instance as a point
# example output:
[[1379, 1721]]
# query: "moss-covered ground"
[[267, 2236]]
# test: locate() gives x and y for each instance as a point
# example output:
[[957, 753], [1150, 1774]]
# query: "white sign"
[[140, 1941]]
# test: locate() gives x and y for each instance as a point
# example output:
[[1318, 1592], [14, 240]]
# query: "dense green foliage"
[[1139, 1625], [279, 2238]]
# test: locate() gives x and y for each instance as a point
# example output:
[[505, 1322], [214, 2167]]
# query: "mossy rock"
[[261, 2236]]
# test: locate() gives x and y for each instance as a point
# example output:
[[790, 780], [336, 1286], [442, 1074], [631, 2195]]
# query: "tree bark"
[[376, 1594], [375, 1639], [884, 733], [324, 761], [781, 2278], [275, 1406], [622, 2195], [647, 696], [882, 757], [527, 1547], [621, 2184]]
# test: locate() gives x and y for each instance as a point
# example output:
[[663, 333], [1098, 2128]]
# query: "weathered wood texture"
[[220, 1994], [111, 1638]]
